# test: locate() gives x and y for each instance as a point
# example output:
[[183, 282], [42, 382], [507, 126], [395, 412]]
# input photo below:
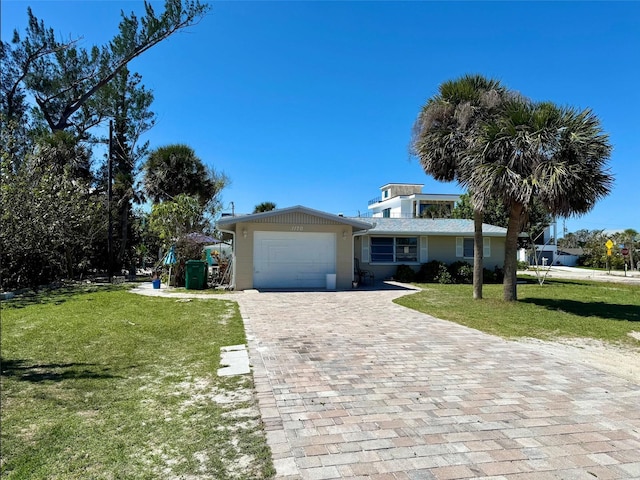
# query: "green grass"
[[108, 384], [559, 308]]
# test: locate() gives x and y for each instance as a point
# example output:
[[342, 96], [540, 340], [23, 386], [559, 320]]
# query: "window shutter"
[[459, 247], [365, 250], [486, 247], [424, 250]]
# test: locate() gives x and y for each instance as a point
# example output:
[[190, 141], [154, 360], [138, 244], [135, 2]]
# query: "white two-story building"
[[406, 200]]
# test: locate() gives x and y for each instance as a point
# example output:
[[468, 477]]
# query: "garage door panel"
[[293, 259]]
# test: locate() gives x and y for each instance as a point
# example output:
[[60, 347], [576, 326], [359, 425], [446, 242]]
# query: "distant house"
[[546, 248], [299, 247], [568, 257], [406, 200]]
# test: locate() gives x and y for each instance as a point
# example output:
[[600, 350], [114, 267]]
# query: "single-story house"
[[298, 247], [414, 241], [294, 247]]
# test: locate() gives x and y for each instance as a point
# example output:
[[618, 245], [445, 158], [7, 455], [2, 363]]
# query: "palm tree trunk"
[[478, 251], [510, 253]]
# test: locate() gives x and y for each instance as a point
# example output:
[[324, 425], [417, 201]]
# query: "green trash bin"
[[195, 274]]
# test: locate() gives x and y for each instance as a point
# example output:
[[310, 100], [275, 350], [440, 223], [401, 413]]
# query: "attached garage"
[[291, 248], [293, 259]]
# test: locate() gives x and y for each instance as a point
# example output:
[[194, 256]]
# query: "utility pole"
[[109, 199]]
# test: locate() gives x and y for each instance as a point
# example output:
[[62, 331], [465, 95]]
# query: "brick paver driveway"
[[353, 385]]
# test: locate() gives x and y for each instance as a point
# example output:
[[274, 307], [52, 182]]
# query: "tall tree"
[[51, 216], [74, 89], [444, 130], [537, 150], [128, 103], [65, 79], [176, 169], [628, 239]]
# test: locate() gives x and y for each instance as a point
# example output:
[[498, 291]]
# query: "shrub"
[[523, 265], [429, 272], [405, 274], [461, 272], [444, 277]]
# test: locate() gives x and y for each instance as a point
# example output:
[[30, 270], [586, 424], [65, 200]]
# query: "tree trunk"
[[511, 252], [124, 237], [478, 252]]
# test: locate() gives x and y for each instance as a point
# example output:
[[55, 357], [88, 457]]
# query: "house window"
[[394, 249], [465, 247], [386, 213], [468, 248]]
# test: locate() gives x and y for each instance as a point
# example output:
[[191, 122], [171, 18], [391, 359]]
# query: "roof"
[[404, 184], [358, 224], [428, 226], [571, 251]]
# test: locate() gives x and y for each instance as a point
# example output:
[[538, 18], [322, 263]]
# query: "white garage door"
[[293, 259]]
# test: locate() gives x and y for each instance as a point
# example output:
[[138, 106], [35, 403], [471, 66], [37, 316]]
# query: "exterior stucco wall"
[[244, 248], [441, 248]]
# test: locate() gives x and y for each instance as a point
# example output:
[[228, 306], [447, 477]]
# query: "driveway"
[[351, 385]]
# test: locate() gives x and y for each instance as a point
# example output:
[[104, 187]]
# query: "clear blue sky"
[[312, 103]]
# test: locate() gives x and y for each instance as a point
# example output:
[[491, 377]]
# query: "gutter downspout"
[[233, 257]]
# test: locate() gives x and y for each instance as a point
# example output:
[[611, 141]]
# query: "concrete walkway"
[[351, 385], [631, 277]]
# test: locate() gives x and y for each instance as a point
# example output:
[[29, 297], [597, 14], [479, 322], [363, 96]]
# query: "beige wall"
[[244, 249], [441, 248]]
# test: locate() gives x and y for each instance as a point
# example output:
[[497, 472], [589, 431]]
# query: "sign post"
[[609, 246], [625, 252]]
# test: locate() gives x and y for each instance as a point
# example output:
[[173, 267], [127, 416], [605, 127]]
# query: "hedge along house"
[[414, 241], [292, 248]]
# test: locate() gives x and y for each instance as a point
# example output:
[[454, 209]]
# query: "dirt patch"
[[618, 360]]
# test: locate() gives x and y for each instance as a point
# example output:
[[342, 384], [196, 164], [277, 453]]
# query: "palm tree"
[[537, 150], [175, 169], [444, 130], [628, 238], [264, 207]]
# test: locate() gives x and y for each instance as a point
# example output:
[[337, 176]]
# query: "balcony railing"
[[392, 215], [374, 200]]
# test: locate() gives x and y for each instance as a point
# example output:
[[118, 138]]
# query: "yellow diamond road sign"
[[609, 244]]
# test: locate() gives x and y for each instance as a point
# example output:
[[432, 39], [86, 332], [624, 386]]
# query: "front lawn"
[[108, 384], [559, 308]]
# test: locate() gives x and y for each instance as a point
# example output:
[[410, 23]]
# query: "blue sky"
[[313, 103]]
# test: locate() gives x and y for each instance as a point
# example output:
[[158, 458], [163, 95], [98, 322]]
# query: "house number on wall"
[[297, 228]]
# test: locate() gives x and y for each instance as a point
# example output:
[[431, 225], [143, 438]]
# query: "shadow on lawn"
[[630, 313], [53, 372], [55, 296]]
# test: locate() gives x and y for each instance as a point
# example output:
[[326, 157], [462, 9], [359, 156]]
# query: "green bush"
[[444, 277], [458, 272], [405, 274], [461, 272], [429, 272], [523, 265]]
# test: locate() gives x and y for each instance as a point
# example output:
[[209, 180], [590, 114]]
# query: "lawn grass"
[[108, 384], [556, 309]]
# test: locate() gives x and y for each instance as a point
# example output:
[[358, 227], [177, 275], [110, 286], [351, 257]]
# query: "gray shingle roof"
[[427, 226]]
